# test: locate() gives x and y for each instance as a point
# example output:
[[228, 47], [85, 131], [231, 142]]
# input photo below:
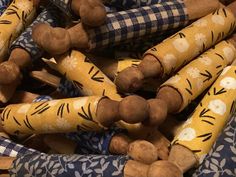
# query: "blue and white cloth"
[[50, 15], [93, 142], [10, 149], [3, 5], [123, 26], [221, 160], [68, 165]]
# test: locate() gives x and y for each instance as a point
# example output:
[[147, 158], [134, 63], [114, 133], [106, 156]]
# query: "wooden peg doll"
[[223, 152], [113, 141], [74, 164], [93, 82], [68, 115], [120, 28], [193, 79], [196, 137], [23, 52], [177, 50], [18, 15], [89, 79]]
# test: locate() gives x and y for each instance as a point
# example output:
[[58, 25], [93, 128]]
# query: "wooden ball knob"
[[129, 80], [133, 109], [143, 151]]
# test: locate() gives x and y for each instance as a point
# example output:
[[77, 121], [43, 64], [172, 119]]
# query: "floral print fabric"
[[221, 160], [94, 142], [199, 74], [201, 130], [88, 78], [68, 165], [182, 47], [56, 116]]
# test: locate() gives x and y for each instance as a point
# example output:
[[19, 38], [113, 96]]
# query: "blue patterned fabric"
[[68, 88], [49, 15], [68, 166], [93, 142], [142, 44], [42, 98], [11, 149], [221, 160], [124, 26], [3, 5], [131, 4]]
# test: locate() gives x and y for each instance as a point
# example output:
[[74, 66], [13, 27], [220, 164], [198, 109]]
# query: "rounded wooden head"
[[53, 40], [92, 12], [133, 109], [129, 80], [157, 112], [143, 151]]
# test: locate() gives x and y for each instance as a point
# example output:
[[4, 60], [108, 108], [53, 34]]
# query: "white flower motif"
[[217, 106], [205, 60], [200, 39], [181, 44], [80, 102], [170, 61], [63, 124], [24, 5], [200, 23], [175, 79], [228, 83], [225, 70], [70, 63], [46, 128], [24, 109], [189, 121], [187, 134], [229, 53], [193, 72], [199, 84], [218, 19]]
